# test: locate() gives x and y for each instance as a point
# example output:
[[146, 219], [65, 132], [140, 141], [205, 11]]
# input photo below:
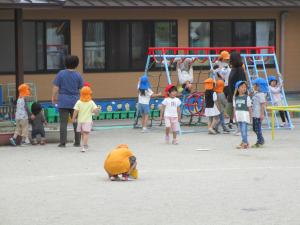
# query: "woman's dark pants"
[[64, 117]]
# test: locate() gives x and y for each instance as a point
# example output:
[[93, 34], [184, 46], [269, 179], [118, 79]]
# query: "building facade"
[[112, 42]]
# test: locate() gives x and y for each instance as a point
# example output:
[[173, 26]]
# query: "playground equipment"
[[254, 58], [273, 109]]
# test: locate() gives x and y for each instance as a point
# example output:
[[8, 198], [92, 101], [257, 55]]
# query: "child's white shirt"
[[276, 93], [21, 113], [145, 99], [171, 105]]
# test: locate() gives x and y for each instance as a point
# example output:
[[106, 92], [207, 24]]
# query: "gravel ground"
[[204, 180]]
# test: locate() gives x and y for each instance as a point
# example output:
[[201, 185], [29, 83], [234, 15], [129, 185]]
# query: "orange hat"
[[209, 84], [86, 94], [219, 86], [224, 55], [24, 90]]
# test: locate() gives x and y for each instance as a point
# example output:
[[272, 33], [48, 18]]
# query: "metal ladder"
[[258, 69]]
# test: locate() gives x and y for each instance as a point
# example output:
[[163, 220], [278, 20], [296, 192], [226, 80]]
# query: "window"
[[199, 34], [33, 40], [57, 42], [141, 40], [118, 50], [45, 43], [265, 33], [243, 34], [232, 33], [165, 34], [123, 45], [221, 34], [7, 47], [94, 46]]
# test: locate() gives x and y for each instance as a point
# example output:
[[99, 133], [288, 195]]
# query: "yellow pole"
[[273, 124]]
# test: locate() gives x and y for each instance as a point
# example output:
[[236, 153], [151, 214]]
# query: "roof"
[[182, 3], [152, 3], [31, 3]]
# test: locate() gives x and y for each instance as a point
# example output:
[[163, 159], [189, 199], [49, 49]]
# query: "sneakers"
[[212, 131], [230, 125], [175, 142], [34, 141], [283, 124], [24, 143], [144, 130], [43, 141], [124, 177], [256, 145], [226, 130], [13, 141], [216, 130], [114, 178], [243, 146], [237, 133], [84, 148]]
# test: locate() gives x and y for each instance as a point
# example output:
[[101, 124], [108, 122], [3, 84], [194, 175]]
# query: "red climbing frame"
[[208, 50], [152, 51]]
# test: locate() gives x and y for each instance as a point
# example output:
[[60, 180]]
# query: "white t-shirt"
[[21, 113], [145, 99], [224, 70], [276, 94], [171, 106]]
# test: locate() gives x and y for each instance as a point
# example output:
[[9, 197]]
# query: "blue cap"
[[271, 78], [262, 84], [239, 83], [144, 83]]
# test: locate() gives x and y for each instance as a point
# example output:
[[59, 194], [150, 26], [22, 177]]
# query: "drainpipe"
[[283, 16]]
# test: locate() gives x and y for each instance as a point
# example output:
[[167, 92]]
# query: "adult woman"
[[65, 93], [237, 74]]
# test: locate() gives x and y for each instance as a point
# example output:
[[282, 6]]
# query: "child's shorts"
[[22, 128], [144, 109], [172, 122], [84, 127]]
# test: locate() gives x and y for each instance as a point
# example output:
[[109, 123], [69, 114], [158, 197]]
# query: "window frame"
[[44, 22], [150, 23]]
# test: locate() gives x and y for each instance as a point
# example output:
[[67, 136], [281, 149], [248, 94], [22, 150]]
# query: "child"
[[22, 116], [259, 103], [223, 70], [211, 109], [221, 103], [37, 122], [84, 109], [121, 161], [171, 111], [275, 90], [145, 94], [185, 72], [242, 111]]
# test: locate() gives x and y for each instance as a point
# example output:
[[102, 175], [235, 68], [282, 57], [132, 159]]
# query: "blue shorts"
[[144, 109]]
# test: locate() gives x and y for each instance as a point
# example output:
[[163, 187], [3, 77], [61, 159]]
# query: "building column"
[[19, 48]]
